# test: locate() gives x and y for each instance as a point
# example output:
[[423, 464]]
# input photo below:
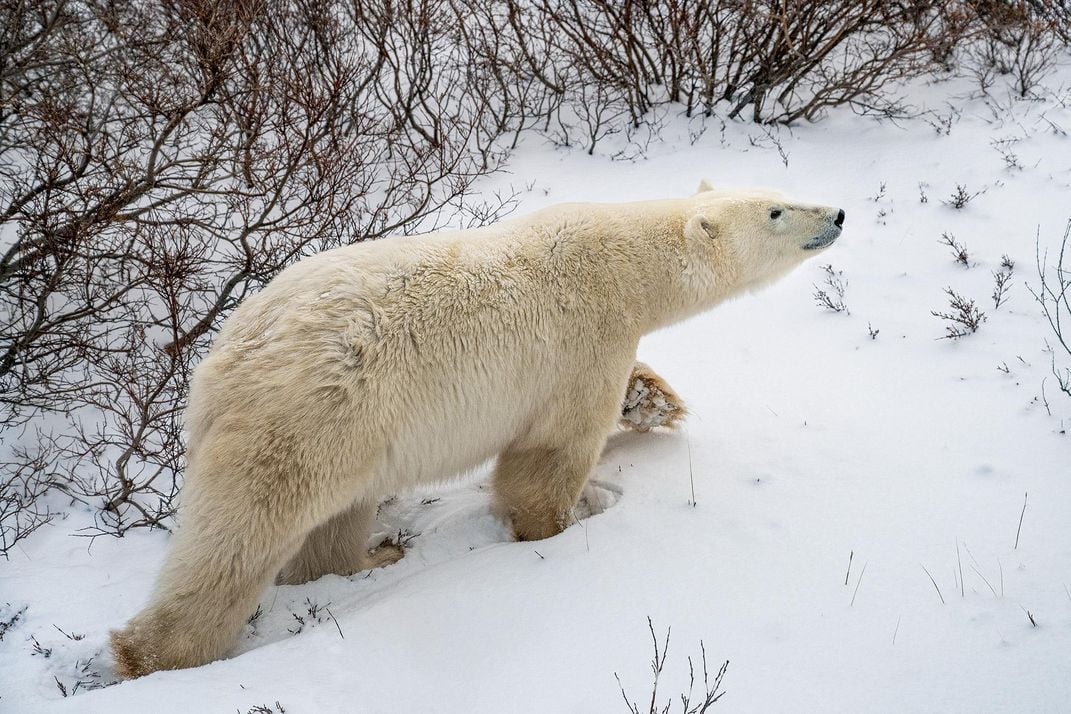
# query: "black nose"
[[840, 219]]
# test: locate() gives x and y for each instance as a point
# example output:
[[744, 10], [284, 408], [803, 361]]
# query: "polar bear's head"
[[758, 236]]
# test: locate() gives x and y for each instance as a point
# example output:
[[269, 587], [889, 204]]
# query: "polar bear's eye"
[[775, 214]]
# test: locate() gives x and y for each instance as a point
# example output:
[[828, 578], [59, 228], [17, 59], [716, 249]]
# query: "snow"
[[808, 443]]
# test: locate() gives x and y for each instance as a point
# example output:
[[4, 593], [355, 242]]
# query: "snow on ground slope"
[[811, 444]]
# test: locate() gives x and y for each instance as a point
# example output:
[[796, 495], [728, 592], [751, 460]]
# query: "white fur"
[[372, 368]]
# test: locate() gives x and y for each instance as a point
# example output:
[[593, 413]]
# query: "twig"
[[691, 474], [1021, 514], [339, 627], [857, 583], [959, 561]]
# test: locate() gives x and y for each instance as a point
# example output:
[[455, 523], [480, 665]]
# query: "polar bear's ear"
[[699, 228], [704, 185]]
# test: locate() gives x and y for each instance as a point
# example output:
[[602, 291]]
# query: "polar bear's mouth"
[[823, 239]]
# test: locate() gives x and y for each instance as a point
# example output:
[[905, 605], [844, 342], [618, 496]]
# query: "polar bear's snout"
[[830, 234]]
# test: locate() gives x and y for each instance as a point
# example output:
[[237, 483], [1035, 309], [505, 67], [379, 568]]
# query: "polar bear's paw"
[[596, 497], [650, 402], [386, 553]]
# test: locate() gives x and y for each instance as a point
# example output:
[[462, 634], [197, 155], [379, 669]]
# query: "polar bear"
[[372, 368]]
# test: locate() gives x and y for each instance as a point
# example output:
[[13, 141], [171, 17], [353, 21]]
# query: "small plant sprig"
[[942, 123], [403, 538], [830, 294], [84, 678], [39, 649], [72, 636], [312, 615], [1003, 279], [961, 197], [8, 621], [959, 251], [1001, 284], [254, 620], [1005, 147], [963, 319]]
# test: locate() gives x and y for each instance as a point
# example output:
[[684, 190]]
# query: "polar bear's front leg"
[[539, 478], [650, 401], [538, 487]]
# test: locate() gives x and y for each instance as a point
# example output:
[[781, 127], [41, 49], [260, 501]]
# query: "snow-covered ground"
[[811, 445]]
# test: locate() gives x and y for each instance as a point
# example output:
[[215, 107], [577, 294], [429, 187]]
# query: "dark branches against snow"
[[711, 689], [158, 162], [1053, 293]]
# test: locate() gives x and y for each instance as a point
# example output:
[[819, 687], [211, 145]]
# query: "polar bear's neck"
[[636, 255]]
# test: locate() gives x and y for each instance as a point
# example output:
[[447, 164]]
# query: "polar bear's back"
[[431, 352]]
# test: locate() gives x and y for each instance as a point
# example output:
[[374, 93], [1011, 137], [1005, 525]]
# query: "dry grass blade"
[[935, 587]]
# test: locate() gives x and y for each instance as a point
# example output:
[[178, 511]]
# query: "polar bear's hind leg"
[[247, 509], [339, 546], [218, 566]]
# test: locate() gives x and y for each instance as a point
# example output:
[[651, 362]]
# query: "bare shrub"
[[963, 319], [265, 709], [159, 161], [961, 197], [830, 294], [603, 65], [1058, 14], [804, 57], [1053, 293], [1016, 38], [711, 691], [1001, 285], [23, 483]]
